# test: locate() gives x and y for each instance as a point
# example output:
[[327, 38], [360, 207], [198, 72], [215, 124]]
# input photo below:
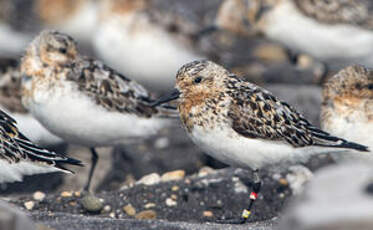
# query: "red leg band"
[[253, 195]]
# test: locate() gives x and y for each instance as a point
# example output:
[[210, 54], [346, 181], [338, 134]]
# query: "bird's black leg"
[[257, 183], [94, 160]]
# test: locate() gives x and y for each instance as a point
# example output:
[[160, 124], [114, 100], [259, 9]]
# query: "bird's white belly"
[[76, 118], [344, 42], [238, 151], [144, 52]]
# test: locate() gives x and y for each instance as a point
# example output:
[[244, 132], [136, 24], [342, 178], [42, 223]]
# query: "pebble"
[[175, 188], [66, 194], [106, 209], [170, 202], [283, 181], [92, 203], [147, 214], [305, 61], [72, 203], [150, 179], [162, 143], [39, 196], [149, 205], [173, 175], [129, 210], [270, 52], [29, 205], [206, 170], [112, 215], [77, 194], [208, 214]]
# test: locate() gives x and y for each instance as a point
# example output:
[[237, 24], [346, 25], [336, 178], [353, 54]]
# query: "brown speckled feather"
[[354, 12], [256, 113], [111, 89]]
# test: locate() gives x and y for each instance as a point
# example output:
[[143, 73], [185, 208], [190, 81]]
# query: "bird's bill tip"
[[173, 95]]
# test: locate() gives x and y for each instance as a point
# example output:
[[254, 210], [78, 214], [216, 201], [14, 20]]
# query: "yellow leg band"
[[246, 213]]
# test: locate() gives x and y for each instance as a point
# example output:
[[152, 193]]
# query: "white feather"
[[229, 147], [141, 50], [15, 171], [341, 41], [76, 118]]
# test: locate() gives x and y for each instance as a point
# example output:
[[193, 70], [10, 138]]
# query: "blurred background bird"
[[347, 107]]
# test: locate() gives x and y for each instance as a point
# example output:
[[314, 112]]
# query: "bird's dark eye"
[[197, 80], [62, 50]]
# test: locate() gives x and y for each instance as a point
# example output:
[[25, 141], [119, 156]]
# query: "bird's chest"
[[204, 115], [42, 89]]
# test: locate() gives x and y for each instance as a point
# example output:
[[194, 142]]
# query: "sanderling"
[[11, 102], [242, 124], [153, 44], [20, 21], [19, 156], [347, 108], [333, 31], [83, 101]]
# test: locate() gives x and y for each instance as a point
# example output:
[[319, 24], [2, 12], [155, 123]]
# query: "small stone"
[[29, 205], [112, 215], [305, 61], [174, 196], [175, 188], [208, 214], [92, 203], [147, 214], [150, 179], [283, 181], [72, 203], [170, 202], [162, 143], [39, 196], [271, 53], [66, 194], [77, 194], [106, 209], [204, 171], [173, 175], [149, 205], [129, 210]]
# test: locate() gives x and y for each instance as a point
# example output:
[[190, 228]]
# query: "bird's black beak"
[[173, 95]]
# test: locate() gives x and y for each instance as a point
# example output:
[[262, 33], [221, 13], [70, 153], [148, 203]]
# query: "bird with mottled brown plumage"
[[84, 101], [347, 108], [336, 31], [244, 125]]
